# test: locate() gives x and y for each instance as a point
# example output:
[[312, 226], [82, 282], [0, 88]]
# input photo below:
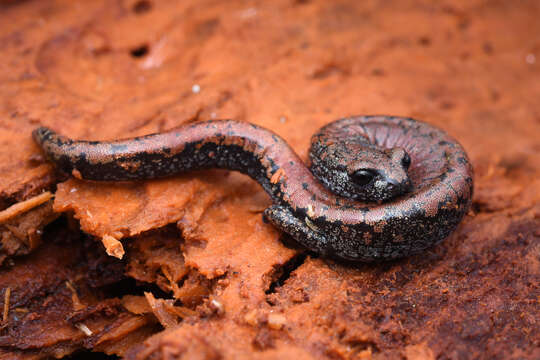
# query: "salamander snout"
[[390, 188]]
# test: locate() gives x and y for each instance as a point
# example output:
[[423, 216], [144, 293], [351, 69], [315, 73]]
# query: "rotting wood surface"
[[111, 69]]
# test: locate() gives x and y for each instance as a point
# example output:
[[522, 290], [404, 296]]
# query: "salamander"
[[374, 187]]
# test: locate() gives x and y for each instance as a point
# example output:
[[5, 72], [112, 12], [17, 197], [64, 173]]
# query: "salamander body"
[[376, 188]]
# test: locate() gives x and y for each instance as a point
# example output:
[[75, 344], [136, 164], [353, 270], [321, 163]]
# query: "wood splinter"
[[113, 247]]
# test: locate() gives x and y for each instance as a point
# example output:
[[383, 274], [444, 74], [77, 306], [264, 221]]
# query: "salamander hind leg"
[[304, 233]]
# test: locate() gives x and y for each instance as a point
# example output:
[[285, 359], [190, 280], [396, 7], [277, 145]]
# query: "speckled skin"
[[402, 211]]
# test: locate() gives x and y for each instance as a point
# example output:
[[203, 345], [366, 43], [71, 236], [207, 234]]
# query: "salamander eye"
[[363, 177], [406, 161]]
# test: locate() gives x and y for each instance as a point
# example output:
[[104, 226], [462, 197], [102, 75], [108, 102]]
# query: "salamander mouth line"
[[411, 184]]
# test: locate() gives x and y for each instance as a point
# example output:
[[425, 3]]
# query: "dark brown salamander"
[[384, 187]]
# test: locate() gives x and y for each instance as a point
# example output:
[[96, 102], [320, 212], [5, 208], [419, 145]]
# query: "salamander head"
[[364, 172], [381, 175]]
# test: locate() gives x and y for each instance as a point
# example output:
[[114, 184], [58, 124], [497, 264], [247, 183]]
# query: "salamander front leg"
[[304, 233]]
